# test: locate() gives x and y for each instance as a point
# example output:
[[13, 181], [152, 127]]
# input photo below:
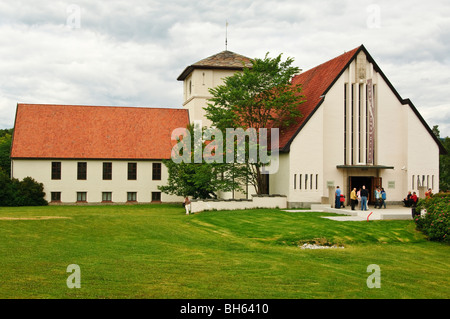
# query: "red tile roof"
[[95, 132], [315, 82]]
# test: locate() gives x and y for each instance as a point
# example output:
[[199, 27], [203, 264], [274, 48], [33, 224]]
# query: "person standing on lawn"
[[187, 205]]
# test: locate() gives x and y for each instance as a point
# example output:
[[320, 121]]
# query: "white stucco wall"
[[391, 136], [333, 135], [94, 185], [423, 155], [281, 180], [196, 91], [306, 158], [254, 202]]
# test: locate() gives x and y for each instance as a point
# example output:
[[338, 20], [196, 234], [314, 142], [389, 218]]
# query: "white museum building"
[[355, 130]]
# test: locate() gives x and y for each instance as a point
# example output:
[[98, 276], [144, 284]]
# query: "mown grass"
[[156, 251]]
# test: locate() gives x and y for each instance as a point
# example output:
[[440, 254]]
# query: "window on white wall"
[[56, 170], [82, 170], [352, 118], [295, 181], [106, 196], [156, 196], [156, 171], [131, 196], [132, 171], [345, 123], [81, 196], [55, 196], [107, 170]]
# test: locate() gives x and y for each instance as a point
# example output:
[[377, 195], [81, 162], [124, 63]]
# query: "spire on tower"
[[226, 35]]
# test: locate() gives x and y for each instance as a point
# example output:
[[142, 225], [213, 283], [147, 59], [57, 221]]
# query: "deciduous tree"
[[261, 96]]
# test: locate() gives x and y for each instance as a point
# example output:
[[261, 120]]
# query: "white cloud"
[[131, 52]]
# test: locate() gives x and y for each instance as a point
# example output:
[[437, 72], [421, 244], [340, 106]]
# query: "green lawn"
[[156, 251]]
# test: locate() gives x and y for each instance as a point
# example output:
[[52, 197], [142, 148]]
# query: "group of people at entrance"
[[361, 196]]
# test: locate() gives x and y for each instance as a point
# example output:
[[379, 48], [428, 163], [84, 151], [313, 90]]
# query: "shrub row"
[[435, 220], [27, 192]]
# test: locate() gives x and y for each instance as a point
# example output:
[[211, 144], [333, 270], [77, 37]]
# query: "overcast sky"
[[129, 53]]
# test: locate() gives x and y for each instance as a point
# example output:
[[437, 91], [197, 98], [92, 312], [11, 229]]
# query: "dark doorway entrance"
[[370, 182]]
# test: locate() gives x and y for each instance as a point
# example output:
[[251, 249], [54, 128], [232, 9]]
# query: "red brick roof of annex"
[[95, 132]]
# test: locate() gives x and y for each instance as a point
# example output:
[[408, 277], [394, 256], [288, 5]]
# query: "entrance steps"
[[326, 208], [394, 212]]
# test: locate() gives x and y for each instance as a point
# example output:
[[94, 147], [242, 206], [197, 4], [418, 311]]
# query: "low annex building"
[[356, 130], [95, 153]]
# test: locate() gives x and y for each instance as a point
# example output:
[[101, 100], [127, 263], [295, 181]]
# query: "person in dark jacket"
[[407, 200], [364, 198], [337, 198]]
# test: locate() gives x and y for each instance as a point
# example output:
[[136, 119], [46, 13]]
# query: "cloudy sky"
[[129, 53]]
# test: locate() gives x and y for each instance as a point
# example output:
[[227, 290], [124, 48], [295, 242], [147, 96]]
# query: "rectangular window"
[[295, 181], [432, 181], [360, 117], [367, 124], [352, 134], [345, 123], [55, 196], [306, 181], [132, 171], [374, 108], [81, 196], [131, 196], [107, 170], [311, 181], [300, 182], [156, 196], [106, 196], [156, 172], [56, 170], [412, 182], [82, 170], [317, 181]]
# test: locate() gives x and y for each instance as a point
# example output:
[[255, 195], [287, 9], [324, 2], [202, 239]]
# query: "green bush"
[[27, 192], [435, 223], [6, 190]]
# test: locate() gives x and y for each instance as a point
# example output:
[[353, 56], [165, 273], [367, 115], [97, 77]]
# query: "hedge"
[[434, 221], [27, 192]]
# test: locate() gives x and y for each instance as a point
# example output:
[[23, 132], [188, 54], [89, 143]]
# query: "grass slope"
[[156, 251]]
